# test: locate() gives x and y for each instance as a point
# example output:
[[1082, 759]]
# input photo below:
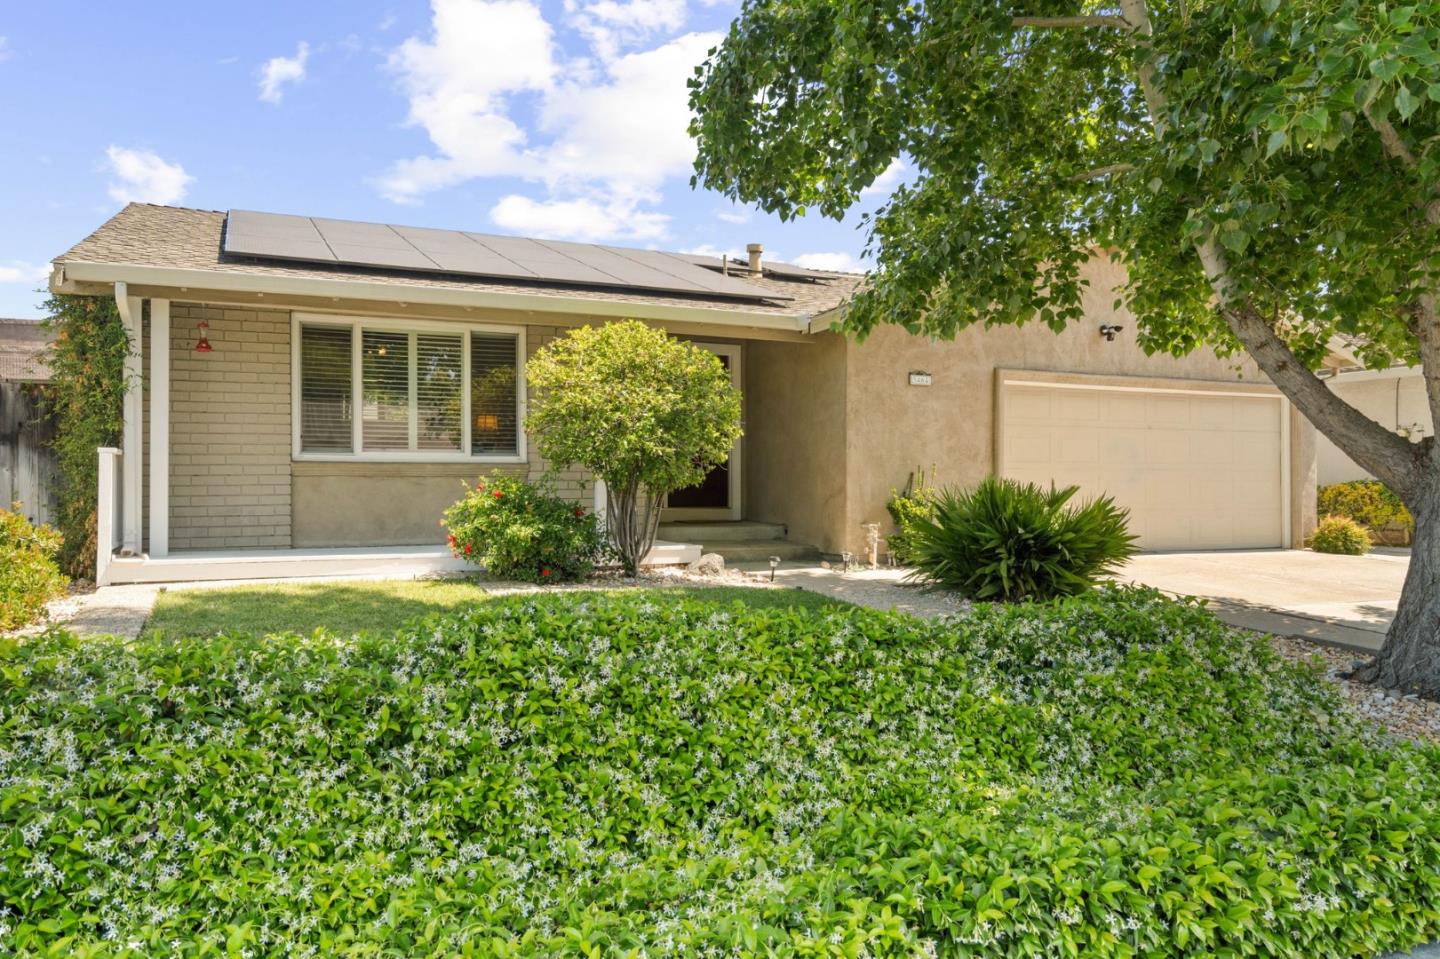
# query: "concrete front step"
[[749, 551], [721, 532]]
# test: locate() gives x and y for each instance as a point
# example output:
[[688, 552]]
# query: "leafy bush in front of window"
[[29, 574], [519, 530], [593, 775], [1005, 540], [1340, 534], [1370, 503], [905, 507]]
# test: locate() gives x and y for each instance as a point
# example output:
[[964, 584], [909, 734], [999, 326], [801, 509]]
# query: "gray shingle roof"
[[143, 234]]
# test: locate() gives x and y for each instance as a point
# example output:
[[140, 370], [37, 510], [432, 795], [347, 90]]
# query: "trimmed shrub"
[[595, 775], [1340, 534], [641, 410], [905, 508], [1370, 503], [1012, 541], [29, 576], [519, 530]]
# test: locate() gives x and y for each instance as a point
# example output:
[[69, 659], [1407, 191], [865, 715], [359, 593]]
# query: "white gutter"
[[280, 286]]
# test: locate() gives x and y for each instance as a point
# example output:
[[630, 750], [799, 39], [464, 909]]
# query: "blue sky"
[[561, 119]]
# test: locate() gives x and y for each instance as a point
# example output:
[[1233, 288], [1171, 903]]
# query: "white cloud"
[[613, 25], [709, 249], [736, 216], [141, 176], [18, 271], [584, 220], [838, 262], [888, 179], [276, 72], [630, 132], [5, 52], [459, 81], [498, 98]]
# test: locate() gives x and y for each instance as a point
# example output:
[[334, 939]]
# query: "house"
[[311, 393], [1394, 398], [28, 465], [22, 352]]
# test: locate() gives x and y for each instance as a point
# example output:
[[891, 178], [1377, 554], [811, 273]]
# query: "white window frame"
[[384, 324]]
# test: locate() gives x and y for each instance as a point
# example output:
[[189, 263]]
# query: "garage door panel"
[[1122, 409], [1196, 470], [1164, 411], [1166, 449]]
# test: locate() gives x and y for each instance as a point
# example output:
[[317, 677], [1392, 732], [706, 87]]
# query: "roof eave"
[[79, 271]]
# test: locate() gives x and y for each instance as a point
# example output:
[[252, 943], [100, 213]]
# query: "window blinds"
[[326, 413], [494, 415]]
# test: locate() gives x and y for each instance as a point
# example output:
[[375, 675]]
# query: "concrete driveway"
[[1342, 600]]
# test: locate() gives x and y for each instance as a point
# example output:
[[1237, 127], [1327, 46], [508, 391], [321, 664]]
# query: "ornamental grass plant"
[[589, 775]]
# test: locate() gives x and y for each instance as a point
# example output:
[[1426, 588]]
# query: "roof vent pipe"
[[755, 249]]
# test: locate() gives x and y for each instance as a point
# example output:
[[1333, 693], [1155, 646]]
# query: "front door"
[[717, 496]]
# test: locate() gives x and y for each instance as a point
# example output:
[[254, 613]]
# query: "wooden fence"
[[28, 469]]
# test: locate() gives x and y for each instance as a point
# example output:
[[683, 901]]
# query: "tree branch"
[[1390, 137], [1394, 459], [1099, 173], [1137, 20], [1071, 23]]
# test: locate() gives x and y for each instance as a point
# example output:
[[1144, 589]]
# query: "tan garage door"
[[1197, 469]]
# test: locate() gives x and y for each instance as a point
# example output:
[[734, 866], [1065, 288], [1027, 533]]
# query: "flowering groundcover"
[[598, 775]]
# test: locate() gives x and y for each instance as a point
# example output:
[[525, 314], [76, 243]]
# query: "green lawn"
[[381, 606]]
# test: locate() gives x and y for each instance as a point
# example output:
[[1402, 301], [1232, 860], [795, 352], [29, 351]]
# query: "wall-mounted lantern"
[[203, 344]]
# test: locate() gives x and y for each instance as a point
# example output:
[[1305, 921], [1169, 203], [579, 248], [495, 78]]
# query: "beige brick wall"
[[572, 484], [230, 429]]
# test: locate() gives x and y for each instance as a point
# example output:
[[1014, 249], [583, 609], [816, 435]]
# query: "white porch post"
[[132, 440], [600, 502], [159, 427], [105, 515]]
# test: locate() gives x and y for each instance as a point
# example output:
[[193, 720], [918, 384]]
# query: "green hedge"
[[29, 577], [585, 775], [1370, 503]]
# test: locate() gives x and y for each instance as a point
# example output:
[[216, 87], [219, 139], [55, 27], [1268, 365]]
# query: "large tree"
[[1267, 169]]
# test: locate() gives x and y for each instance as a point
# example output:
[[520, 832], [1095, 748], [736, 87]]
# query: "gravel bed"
[[1406, 716]]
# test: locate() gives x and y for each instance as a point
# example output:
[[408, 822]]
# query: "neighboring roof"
[[22, 347], [182, 239]]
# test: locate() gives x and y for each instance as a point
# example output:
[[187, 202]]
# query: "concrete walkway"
[[1345, 601], [114, 611]]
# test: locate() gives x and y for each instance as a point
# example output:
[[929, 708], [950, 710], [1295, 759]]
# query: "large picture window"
[[376, 390]]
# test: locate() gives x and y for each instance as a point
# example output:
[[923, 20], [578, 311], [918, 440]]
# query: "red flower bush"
[[523, 531]]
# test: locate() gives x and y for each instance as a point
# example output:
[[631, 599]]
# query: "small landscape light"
[[845, 557], [774, 564]]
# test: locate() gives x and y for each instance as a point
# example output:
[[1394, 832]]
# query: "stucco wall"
[[229, 429], [795, 452], [1393, 401], [948, 428]]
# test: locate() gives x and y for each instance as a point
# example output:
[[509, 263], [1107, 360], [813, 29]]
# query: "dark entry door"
[[716, 492]]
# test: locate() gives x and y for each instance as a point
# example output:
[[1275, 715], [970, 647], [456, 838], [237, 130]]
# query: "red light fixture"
[[203, 346]]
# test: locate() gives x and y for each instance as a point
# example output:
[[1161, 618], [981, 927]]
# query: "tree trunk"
[[1410, 659], [631, 525]]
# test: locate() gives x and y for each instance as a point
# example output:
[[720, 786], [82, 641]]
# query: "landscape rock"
[[711, 564]]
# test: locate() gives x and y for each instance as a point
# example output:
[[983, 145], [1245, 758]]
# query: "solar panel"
[[320, 240]]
